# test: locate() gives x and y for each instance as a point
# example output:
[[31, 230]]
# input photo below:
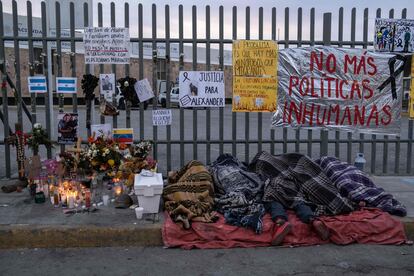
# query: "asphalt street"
[[201, 152], [313, 260]]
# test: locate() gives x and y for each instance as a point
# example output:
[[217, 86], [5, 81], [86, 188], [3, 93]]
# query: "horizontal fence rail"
[[194, 134]]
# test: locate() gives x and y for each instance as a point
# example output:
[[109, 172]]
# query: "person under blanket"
[[238, 193], [358, 187], [189, 194], [294, 181]]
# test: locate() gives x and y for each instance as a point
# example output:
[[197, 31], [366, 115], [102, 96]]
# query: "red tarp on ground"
[[365, 226]]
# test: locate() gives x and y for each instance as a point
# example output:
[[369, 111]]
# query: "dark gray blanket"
[[238, 193], [293, 178]]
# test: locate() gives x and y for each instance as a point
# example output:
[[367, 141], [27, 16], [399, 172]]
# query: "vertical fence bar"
[[181, 50], [45, 62], [114, 117], [349, 135], [374, 137], [18, 91], [410, 146], [126, 69], [87, 66], [72, 53], [247, 115], [59, 60], [31, 59], [4, 96], [221, 64], [327, 22], [167, 73], [208, 68], [340, 39], [312, 43], [272, 130], [141, 67], [365, 45], [285, 131], [194, 26], [234, 114], [154, 75], [299, 38], [101, 66], [260, 114]]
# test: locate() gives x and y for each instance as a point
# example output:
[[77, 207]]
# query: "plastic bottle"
[[360, 161]]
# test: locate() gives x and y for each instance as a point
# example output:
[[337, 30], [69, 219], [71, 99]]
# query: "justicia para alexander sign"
[[339, 88]]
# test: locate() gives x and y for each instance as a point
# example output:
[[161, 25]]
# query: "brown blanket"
[[189, 195]]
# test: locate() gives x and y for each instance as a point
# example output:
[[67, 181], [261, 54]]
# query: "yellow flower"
[[94, 162], [111, 162]]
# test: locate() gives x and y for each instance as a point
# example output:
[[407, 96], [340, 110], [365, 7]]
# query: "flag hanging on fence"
[[123, 135], [37, 84], [66, 85]]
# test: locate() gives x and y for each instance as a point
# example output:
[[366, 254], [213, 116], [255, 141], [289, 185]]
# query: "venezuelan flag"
[[123, 135]]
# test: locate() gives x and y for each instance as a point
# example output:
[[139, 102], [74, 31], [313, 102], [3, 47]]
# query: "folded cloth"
[[188, 196], [238, 193], [357, 186], [293, 179]]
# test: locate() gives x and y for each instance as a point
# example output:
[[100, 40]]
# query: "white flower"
[[37, 126], [126, 83]]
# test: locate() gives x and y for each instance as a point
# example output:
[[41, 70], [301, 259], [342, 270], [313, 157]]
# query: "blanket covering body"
[[355, 185]]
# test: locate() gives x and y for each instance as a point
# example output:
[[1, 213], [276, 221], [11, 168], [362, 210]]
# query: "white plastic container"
[[149, 190], [139, 211], [360, 161]]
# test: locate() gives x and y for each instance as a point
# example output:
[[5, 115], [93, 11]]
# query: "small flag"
[[66, 85], [123, 135], [37, 84]]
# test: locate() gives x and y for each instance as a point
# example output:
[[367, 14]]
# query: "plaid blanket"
[[189, 195], [238, 193], [355, 185], [294, 178]]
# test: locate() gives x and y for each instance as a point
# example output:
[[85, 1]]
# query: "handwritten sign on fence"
[[106, 45], [339, 88], [161, 117], [254, 75]]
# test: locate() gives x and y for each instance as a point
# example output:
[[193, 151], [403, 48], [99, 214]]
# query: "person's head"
[[66, 118]]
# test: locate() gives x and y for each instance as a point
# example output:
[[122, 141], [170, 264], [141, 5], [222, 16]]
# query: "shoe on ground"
[[321, 229], [281, 232]]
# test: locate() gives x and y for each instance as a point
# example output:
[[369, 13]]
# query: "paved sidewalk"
[[41, 225]]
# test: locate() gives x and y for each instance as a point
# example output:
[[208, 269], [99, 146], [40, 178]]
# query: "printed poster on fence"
[[254, 75], [201, 89], [340, 88], [106, 45], [99, 130], [161, 117], [143, 90], [67, 128], [107, 86], [394, 35]]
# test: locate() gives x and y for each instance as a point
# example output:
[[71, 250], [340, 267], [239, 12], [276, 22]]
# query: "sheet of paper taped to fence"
[[201, 89], [254, 75], [161, 117], [106, 45], [340, 88]]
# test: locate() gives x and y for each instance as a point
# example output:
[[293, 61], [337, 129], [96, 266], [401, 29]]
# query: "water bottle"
[[360, 161]]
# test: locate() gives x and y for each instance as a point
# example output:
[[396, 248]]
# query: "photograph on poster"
[[67, 128]]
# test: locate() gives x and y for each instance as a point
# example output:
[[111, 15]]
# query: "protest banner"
[[201, 89], [394, 35], [340, 88], [106, 45], [67, 128], [143, 90], [254, 75], [161, 117]]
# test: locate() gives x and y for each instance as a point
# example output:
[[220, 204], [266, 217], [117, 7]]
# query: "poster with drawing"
[[67, 128], [143, 90], [101, 130], [201, 88], [394, 35], [107, 86]]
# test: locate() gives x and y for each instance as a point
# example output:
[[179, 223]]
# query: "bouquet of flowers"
[[128, 89], [89, 83], [103, 153], [37, 137], [141, 150]]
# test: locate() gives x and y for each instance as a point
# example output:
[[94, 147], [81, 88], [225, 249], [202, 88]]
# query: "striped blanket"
[[189, 195], [293, 178], [355, 185]]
